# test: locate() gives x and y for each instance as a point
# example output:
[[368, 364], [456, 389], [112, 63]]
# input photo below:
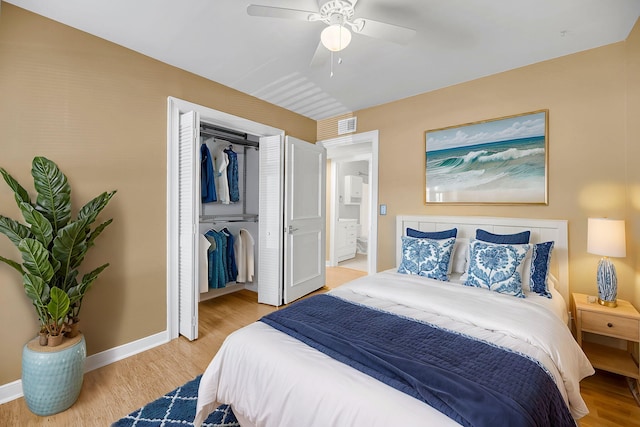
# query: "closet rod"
[[229, 218], [227, 135]]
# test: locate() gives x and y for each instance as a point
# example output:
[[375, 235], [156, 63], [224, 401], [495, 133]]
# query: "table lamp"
[[606, 237]]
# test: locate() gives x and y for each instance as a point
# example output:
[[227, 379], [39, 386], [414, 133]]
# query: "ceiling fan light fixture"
[[335, 37]]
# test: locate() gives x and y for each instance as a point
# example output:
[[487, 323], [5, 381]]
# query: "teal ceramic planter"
[[52, 376]]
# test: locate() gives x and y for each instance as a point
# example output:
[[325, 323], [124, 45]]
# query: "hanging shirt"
[[207, 176], [203, 260], [244, 256], [221, 163], [232, 175], [249, 254], [241, 259]]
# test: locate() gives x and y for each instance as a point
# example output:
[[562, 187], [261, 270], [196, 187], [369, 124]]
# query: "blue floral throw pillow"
[[497, 267], [540, 260], [426, 257]]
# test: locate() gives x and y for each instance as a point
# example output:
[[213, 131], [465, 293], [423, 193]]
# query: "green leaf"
[[36, 289], [40, 226], [88, 279], [93, 208], [58, 306], [20, 193], [14, 230], [70, 245], [35, 259], [75, 294], [69, 281], [12, 263], [95, 233], [54, 192]]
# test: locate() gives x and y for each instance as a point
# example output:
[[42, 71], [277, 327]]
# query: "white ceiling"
[[456, 41]]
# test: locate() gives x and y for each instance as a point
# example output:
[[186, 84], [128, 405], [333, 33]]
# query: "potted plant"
[[53, 246]]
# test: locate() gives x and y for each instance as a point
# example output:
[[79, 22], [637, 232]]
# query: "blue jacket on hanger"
[[232, 175], [217, 254], [207, 181], [232, 269]]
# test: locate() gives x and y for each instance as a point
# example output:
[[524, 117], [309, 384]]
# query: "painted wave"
[[518, 164]]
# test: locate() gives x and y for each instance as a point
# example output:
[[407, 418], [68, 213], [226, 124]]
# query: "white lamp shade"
[[606, 237], [335, 37]]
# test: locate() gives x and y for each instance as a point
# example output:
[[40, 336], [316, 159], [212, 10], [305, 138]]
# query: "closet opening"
[[229, 211], [285, 221]]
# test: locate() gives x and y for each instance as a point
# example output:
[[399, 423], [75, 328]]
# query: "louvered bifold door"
[[270, 210], [188, 212]]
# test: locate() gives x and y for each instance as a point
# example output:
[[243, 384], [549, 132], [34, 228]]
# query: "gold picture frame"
[[497, 161]]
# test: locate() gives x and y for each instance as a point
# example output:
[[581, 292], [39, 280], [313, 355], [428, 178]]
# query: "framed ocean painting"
[[502, 161]]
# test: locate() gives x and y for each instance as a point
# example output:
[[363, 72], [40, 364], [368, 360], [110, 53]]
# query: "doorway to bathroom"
[[352, 211], [352, 199]]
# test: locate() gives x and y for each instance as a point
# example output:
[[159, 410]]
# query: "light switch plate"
[[383, 209]]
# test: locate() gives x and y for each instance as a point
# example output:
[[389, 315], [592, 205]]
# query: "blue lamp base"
[[607, 283]]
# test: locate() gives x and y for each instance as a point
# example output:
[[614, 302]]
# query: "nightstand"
[[621, 322]]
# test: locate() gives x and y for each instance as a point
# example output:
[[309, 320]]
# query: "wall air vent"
[[347, 125]]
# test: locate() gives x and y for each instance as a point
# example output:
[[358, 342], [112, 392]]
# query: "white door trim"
[[350, 146]]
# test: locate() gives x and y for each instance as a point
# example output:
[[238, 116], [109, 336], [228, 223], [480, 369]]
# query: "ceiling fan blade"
[[279, 12], [382, 30], [320, 57]]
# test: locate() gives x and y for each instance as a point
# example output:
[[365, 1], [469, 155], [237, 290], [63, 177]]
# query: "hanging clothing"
[[203, 260], [249, 253], [232, 175], [217, 276], [207, 177], [232, 270], [244, 245], [222, 183]]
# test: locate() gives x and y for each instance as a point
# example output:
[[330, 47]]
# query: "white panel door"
[[304, 218], [188, 217], [271, 220]]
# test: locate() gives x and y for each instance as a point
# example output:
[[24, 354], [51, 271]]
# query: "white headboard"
[[542, 230]]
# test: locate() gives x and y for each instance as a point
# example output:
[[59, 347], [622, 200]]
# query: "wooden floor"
[[113, 391]]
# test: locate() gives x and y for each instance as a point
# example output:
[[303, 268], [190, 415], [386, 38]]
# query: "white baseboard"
[[10, 391], [13, 390]]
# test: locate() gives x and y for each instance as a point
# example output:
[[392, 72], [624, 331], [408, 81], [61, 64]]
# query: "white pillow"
[[460, 256]]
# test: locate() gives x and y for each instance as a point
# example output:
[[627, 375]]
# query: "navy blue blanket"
[[470, 381]]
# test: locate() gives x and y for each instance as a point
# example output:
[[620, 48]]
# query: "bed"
[[274, 373]]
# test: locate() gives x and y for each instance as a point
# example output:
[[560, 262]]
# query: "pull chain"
[[339, 62], [331, 73]]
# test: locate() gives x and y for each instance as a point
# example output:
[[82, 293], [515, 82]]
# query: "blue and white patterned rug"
[[177, 408]]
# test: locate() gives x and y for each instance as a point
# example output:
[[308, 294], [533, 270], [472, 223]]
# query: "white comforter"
[[272, 379]]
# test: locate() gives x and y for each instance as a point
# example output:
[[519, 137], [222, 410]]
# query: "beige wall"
[[632, 157], [594, 104], [99, 111]]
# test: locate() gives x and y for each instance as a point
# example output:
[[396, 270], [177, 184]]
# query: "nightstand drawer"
[[603, 323]]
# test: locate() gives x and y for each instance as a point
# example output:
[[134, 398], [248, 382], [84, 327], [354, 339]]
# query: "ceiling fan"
[[339, 15]]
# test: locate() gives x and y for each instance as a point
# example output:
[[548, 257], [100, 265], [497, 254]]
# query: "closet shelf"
[[227, 135], [229, 218]]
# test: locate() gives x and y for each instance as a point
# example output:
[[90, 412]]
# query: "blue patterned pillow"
[[436, 235], [503, 239], [540, 260], [497, 267], [426, 257]]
